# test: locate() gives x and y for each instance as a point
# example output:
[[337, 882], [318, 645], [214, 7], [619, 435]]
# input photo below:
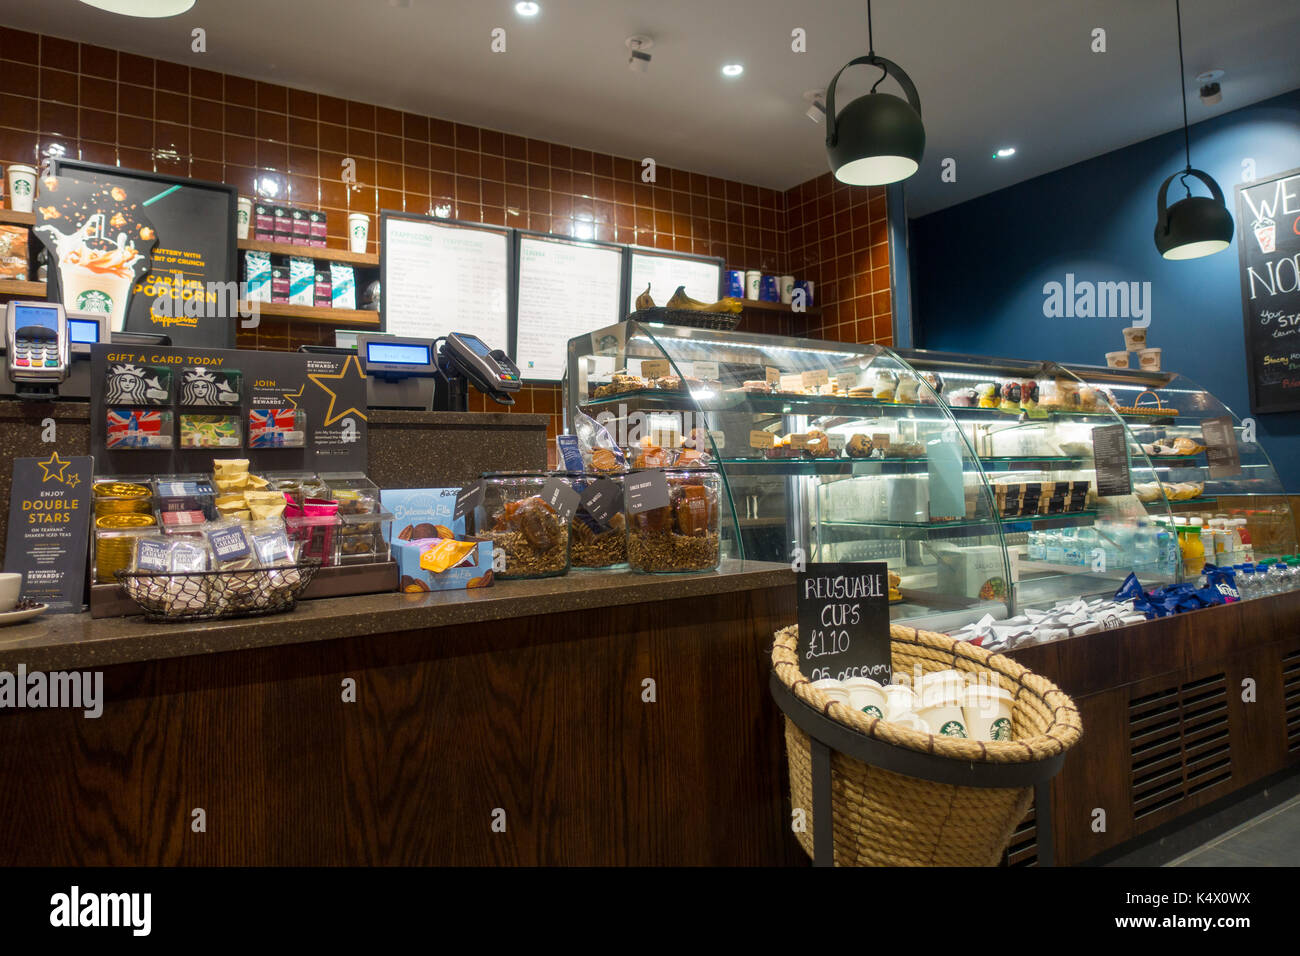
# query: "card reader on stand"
[[464, 358], [37, 347]]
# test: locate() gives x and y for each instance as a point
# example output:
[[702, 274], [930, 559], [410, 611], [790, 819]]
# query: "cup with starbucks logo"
[[867, 696], [941, 706], [243, 216], [358, 231], [988, 712], [22, 187]]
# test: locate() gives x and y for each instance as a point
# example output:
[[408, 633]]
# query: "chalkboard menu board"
[[440, 276], [565, 288], [843, 611], [190, 241], [663, 272], [1268, 243]]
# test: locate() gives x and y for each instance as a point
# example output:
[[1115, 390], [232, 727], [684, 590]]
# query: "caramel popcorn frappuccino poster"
[[153, 253]]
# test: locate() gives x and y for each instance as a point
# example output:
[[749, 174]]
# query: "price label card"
[[646, 491], [559, 494], [719, 439], [706, 370], [798, 441], [1221, 451], [846, 381], [655, 368], [880, 440], [602, 499], [470, 497], [759, 439], [792, 382], [1110, 460], [843, 612], [773, 375], [815, 378], [836, 441]]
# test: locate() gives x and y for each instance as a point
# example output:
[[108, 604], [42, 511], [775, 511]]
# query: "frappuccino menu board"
[[664, 273], [1268, 248], [169, 410], [566, 288], [441, 276]]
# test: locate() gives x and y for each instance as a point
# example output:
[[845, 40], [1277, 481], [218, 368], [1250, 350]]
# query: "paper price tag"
[[792, 382], [815, 378], [559, 494], [706, 370], [798, 441], [772, 375], [846, 380], [761, 439], [602, 499], [719, 440], [470, 497], [655, 368], [836, 441]]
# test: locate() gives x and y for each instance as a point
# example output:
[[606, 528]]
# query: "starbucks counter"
[[556, 721]]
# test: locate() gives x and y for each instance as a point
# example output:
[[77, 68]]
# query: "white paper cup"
[[911, 721], [988, 712], [10, 587], [22, 190], [1135, 338], [1149, 360], [785, 285], [901, 700], [358, 231], [1117, 359], [945, 719], [942, 686], [243, 216], [833, 689], [753, 278], [867, 696]]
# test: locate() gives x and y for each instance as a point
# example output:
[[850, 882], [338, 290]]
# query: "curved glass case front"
[[975, 479]]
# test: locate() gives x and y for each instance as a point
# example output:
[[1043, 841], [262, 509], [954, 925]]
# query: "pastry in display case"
[[973, 478]]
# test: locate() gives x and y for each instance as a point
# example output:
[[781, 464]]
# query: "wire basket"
[[718, 321], [213, 595]]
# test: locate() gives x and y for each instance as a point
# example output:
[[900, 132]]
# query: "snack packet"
[[231, 550], [152, 553], [598, 448]]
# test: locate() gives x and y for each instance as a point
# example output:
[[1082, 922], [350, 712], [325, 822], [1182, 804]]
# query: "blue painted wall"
[[978, 269]]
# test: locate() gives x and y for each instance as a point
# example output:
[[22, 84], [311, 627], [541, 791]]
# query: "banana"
[[643, 301], [681, 300]]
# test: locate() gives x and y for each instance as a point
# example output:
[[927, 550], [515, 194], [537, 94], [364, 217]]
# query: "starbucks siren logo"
[[92, 300], [22, 187], [952, 728], [1001, 729], [872, 711]]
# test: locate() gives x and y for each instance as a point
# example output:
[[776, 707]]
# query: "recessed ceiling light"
[[1004, 152], [142, 8], [527, 8], [733, 69]]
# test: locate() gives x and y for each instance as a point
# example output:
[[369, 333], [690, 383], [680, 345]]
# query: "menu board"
[[663, 273], [1110, 461], [843, 612], [182, 231], [1268, 248], [441, 276], [565, 288]]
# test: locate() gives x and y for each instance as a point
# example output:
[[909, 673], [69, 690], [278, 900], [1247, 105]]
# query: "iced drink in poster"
[[1265, 234], [99, 240]]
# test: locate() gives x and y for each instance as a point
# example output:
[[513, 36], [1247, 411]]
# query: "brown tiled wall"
[[117, 108]]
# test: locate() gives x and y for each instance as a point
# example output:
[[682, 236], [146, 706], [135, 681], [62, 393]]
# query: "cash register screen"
[[38, 316], [385, 353], [83, 331]]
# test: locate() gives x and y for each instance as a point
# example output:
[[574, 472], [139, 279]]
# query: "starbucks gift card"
[[128, 384], [203, 386]]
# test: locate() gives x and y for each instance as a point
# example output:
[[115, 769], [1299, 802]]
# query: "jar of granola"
[[517, 515], [598, 536], [684, 533]]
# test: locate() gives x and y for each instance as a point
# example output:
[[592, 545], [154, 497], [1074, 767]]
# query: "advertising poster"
[[49, 529], [171, 239]]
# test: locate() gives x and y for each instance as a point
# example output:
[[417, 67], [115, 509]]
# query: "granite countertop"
[[393, 416], [76, 641]]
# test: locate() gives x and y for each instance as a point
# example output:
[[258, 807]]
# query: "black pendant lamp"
[[1196, 226], [879, 137]]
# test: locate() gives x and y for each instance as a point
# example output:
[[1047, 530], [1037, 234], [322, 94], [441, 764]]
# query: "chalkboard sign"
[[1268, 246], [843, 613], [1110, 460]]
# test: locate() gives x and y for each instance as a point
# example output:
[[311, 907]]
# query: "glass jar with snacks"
[[192, 493], [598, 534], [673, 520], [517, 515], [363, 524], [115, 536], [122, 496]]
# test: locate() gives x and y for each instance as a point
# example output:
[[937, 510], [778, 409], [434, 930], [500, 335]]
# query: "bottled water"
[[1246, 583], [1169, 555], [1037, 549], [1278, 578], [1146, 554]]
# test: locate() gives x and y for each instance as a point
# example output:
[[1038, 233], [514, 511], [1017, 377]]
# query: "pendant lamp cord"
[[1182, 93], [871, 49]]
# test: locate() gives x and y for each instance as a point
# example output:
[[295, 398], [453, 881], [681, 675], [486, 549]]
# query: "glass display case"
[[973, 478]]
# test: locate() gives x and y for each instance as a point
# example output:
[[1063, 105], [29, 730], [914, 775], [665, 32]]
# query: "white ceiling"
[[989, 72]]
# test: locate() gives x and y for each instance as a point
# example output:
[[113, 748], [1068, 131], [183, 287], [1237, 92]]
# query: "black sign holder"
[[826, 735]]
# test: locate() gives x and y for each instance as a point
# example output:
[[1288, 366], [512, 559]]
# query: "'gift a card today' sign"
[[844, 621]]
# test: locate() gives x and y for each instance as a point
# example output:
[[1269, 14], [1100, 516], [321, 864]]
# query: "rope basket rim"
[[1027, 688]]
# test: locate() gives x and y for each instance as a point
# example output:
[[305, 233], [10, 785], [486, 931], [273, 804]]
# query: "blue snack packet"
[[1130, 590], [1224, 581]]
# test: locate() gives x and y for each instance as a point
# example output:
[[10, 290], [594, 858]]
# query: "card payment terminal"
[[464, 357], [37, 344]]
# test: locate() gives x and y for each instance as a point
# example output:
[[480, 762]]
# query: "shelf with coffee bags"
[[367, 260]]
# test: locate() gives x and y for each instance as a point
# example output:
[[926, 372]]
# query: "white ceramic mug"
[[10, 587], [358, 231], [243, 216], [752, 280], [867, 696], [988, 712], [22, 188]]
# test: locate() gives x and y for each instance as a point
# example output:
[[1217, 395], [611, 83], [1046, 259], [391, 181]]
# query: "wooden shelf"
[[14, 287], [760, 306], [311, 252], [10, 217], [362, 318]]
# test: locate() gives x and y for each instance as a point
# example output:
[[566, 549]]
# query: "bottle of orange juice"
[[1192, 548]]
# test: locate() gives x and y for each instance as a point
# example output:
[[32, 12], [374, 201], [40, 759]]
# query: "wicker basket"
[[887, 819]]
